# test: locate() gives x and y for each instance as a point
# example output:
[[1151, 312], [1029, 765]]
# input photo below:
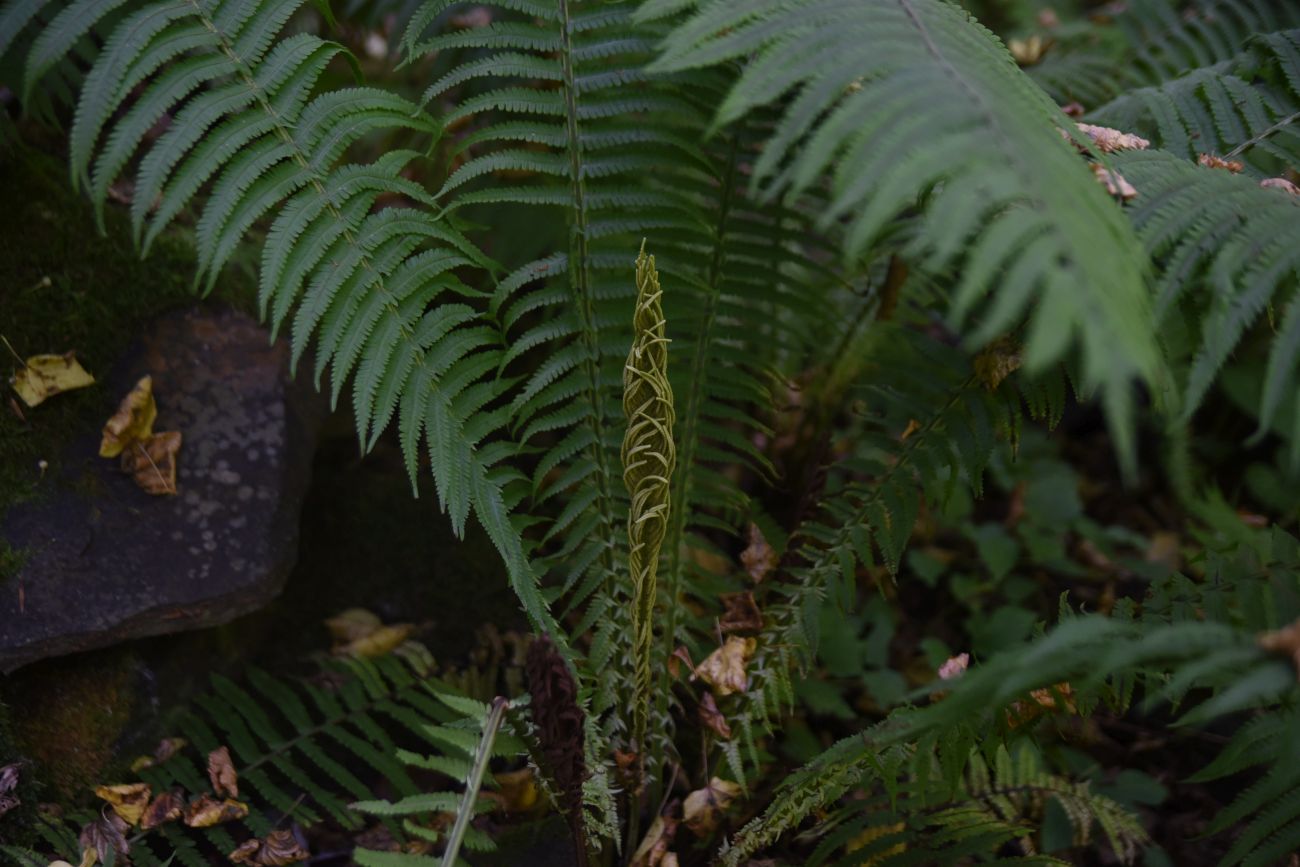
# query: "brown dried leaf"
[[43, 376], [954, 666], [655, 843], [1058, 698], [1280, 184], [167, 747], [108, 832], [127, 800], [759, 559], [1108, 140], [724, 669], [221, 771], [206, 811], [713, 718], [133, 420], [680, 655], [8, 782], [1210, 161], [912, 427], [152, 462], [1113, 182], [278, 849], [1073, 109], [1165, 547], [703, 808], [741, 613], [167, 807], [1285, 642]]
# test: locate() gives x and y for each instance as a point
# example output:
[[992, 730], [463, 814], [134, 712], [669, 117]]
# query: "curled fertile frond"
[[648, 459]]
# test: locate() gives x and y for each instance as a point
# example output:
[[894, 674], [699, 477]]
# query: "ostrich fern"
[[871, 190]]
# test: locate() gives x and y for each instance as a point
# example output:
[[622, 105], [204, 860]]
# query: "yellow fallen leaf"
[[43, 376], [381, 642], [350, 625], [654, 846], [128, 800], [702, 810], [133, 420], [517, 790], [221, 772], [207, 811], [1028, 52], [152, 462], [724, 668]]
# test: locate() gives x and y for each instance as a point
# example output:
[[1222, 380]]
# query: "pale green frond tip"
[[649, 456]]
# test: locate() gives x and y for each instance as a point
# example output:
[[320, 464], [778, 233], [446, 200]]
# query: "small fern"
[[466, 749]]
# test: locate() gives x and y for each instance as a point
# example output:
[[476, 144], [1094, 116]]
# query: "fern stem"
[[475, 780], [580, 283], [1263, 134]]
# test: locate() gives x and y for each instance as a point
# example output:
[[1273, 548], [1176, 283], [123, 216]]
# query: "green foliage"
[[466, 747], [1243, 106], [1003, 199], [881, 260]]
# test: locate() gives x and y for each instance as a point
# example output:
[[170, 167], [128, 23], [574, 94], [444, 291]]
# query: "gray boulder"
[[106, 562]]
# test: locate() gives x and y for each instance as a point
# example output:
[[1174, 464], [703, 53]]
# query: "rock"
[[105, 562]]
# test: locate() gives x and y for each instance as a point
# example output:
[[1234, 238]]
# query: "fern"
[[375, 291], [465, 750], [1149, 42], [305, 749], [997, 183], [1085, 652], [1246, 106], [1210, 226]]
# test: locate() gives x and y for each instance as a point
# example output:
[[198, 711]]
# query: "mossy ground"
[[65, 285]]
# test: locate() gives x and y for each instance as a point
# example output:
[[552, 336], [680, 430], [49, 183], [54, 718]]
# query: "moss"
[[74, 711], [67, 286]]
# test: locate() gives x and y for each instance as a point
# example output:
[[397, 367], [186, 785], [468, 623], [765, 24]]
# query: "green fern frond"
[[1245, 107], [912, 106], [475, 746], [1212, 227]]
